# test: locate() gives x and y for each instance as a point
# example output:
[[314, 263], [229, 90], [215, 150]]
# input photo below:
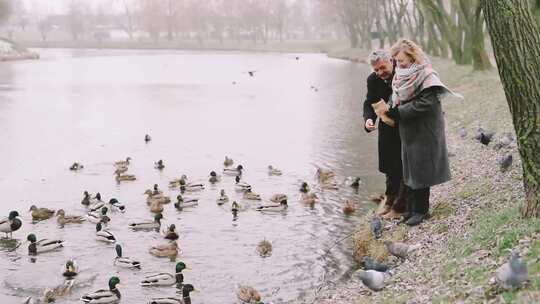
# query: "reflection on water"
[[95, 107]]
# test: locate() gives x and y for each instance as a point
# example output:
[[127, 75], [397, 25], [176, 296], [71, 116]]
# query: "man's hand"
[[380, 107], [370, 126]]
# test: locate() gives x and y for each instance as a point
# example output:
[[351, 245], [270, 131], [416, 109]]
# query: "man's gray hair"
[[378, 55]]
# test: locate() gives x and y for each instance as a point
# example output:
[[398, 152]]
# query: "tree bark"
[[516, 44]]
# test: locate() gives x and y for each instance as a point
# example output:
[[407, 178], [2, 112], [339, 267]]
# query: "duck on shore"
[[10, 224]]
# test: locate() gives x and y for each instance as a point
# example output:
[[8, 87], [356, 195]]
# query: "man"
[[379, 86]]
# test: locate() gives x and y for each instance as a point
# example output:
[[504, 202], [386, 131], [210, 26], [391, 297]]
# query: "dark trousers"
[[396, 192], [418, 200]]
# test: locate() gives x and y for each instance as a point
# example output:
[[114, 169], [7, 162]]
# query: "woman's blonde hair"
[[409, 48]]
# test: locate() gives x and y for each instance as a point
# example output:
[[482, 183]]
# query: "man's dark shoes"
[[415, 219]]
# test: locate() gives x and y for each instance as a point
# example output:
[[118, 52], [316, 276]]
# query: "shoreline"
[[475, 217]]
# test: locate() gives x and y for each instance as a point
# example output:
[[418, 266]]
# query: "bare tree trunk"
[[516, 40]]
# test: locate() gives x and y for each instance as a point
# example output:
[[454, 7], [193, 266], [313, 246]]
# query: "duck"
[[76, 166], [248, 294], [304, 188], [147, 138], [120, 170], [42, 246], [156, 224], [190, 187], [214, 178], [98, 216], [235, 171], [116, 206], [273, 171], [186, 298], [71, 269], [169, 250], [156, 207], [235, 207], [228, 162], [51, 295], [264, 248], [159, 165], [123, 163], [282, 206], [166, 279], [95, 202], [40, 214], [240, 185], [223, 198], [176, 182], [104, 296], [324, 175], [309, 198], [170, 233], [125, 262], [160, 198], [10, 224], [86, 199], [156, 190], [278, 198], [356, 181], [63, 219], [104, 235], [181, 203], [251, 195], [125, 177]]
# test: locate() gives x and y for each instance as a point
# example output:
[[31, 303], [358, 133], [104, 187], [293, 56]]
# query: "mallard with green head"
[[42, 246], [166, 279], [273, 171], [64, 219], [240, 185], [214, 178], [104, 296], [40, 214], [235, 171], [125, 262], [116, 206], [189, 187], [156, 224], [170, 233], [182, 203], [71, 269], [104, 235], [186, 298], [99, 216], [10, 224], [282, 206], [169, 250]]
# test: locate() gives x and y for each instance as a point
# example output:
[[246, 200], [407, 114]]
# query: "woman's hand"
[[381, 108]]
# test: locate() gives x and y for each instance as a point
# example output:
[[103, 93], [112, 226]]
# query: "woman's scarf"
[[409, 82]]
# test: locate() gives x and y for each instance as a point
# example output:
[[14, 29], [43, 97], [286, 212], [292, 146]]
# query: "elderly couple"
[[404, 92]]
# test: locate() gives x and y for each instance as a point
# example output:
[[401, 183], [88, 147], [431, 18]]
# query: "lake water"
[[95, 106]]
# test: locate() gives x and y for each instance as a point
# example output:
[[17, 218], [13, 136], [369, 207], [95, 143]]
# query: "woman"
[[416, 95]]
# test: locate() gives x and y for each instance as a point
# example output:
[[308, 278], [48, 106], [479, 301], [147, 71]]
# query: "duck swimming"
[[125, 177], [64, 219], [228, 162], [304, 188], [186, 299], [51, 295], [251, 195], [166, 279], [116, 206], [273, 171], [40, 214], [159, 165], [125, 262], [123, 163], [234, 172], [10, 224], [76, 167], [223, 198], [169, 250], [43, 245], [98, 216], [282, 206], [104, 235], [248, 294], [241, 186], [214, 178], [189, 187], [86, 199], [181, 203], [159, 197], [309, 198], [147, 138], [156, 207], [71, 269], [156, 224], [171, 233], [104, 296]]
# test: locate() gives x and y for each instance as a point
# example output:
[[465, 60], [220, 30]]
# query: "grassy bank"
[[475, 217]]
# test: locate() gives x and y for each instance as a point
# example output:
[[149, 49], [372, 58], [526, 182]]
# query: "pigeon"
[[372, 279], [400, 250], [484, 136], [513, 273], [505, 161], [370, 264], [376, 227], [462, 132], [506, 140]]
